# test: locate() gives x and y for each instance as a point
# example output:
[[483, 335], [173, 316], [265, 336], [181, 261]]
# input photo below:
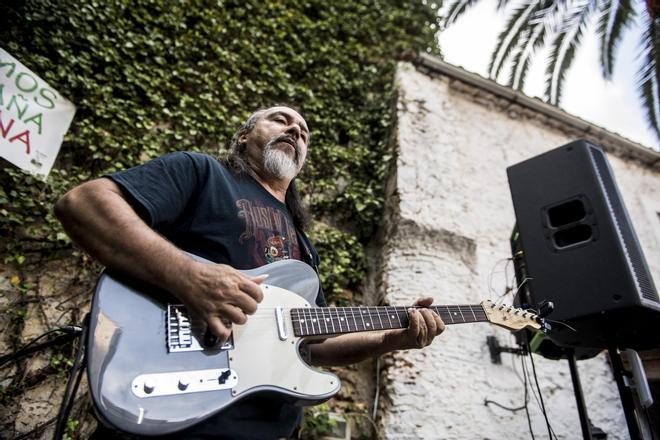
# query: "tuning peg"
[[546, 308]]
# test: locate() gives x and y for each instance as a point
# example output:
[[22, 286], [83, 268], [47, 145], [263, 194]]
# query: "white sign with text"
[[33, 118]]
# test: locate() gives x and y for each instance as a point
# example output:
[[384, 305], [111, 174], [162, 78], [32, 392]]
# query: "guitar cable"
[[538, 388], [73, 382], [525, 383], [70, 333]]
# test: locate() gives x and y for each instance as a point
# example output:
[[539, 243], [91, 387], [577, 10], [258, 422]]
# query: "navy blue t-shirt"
[[195, 202]]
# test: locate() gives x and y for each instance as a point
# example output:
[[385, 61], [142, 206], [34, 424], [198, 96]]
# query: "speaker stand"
[[625, 392], [579, 396]]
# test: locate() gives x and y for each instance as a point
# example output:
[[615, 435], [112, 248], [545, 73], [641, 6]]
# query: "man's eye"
[[280, 119]]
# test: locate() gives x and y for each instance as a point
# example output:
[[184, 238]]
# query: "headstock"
[[510, 317]]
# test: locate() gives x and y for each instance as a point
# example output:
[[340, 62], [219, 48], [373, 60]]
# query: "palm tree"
[[533, 24]]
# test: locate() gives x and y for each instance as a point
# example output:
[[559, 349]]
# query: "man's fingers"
[[218, 328], [252, 288], [440, 325], [424, 301], [423, 329], [244, 302], [417, 328], [234, 314], [259, 279], [413, 318], [431, 326]]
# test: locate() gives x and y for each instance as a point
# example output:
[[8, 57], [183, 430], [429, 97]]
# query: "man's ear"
[[242, 139]]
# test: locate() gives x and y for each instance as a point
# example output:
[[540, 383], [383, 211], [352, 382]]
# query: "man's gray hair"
[[237, 159]]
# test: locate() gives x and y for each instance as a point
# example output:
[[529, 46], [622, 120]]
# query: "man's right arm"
[[100, 220]]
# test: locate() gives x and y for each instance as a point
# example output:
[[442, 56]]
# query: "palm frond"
[[536, 40], [509, 36], [616, 16], [556, 48], [456, 9], [516, 53], [648, 76], [562, 56], [550, 14]]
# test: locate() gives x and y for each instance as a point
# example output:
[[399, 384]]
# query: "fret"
[[464, 315], [364, 325], [450, 315], [339, 320], [461, 312], [325, 321], [387, 310], [313, 321], [332, 321], [370, 324], [294, 312], [302, 321], [380, 320], [317, 320], [398, 317], [354, 320], [473, 315], [444, 315], [309, 320], [348, 325]]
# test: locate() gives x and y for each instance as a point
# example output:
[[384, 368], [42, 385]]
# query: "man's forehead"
[[287, 111]]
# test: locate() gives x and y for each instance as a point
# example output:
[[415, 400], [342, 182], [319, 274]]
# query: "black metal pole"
[[625, 393], [579, 396]]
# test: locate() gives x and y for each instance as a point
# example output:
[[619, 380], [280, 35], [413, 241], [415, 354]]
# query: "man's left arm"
[[424, 326]]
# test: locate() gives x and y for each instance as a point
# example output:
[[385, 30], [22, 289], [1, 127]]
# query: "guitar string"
[[335, 315], [327, 319], [360, 311]]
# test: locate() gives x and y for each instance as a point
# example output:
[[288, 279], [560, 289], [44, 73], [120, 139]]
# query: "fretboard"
[[337, 320]]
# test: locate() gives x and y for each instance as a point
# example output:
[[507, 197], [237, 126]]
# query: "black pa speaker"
[[581, 252]]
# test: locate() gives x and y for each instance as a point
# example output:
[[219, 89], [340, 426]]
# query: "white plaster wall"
[[452, 205]]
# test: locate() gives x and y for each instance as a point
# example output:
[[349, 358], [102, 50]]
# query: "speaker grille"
[[628, 238]]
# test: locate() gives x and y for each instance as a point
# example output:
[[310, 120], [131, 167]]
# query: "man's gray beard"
[[279, 164]]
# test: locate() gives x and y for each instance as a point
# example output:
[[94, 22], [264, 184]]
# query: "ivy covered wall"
[[150, 77]]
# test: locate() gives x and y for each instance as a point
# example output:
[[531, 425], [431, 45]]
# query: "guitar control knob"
[[149, 386], [223, 377], [183, 383]]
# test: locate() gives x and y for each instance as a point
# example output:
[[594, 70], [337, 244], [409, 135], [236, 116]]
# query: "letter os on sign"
[[33, 118]]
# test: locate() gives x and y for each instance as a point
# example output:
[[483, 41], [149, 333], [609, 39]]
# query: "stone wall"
[[448, 222]]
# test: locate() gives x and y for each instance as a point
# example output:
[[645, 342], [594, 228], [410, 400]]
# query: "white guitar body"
[[258, 344]]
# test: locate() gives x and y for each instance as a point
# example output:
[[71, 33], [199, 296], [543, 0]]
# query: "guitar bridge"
[[185, 335]]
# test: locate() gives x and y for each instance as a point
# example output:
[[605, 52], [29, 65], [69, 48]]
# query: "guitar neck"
[[319, 321]]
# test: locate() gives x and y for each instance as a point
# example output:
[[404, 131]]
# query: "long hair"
[[237, 162]]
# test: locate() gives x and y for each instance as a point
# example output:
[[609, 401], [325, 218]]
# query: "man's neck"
[[276, 187]]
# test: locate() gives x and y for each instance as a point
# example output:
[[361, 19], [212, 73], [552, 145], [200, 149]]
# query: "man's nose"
[[293, 130]]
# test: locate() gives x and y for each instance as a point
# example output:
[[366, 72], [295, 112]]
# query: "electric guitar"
[[150, 374]]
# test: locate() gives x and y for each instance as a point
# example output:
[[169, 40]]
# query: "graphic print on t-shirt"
[[269, 230]]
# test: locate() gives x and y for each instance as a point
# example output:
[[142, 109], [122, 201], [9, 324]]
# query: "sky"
[[612, 105]]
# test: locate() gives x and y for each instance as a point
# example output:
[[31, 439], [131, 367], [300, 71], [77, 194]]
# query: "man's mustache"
[[291, 141]]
